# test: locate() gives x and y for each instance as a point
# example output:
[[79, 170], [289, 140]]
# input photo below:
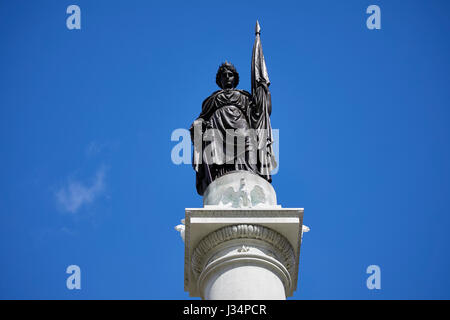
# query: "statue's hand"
[[208, 125], [262, 83]]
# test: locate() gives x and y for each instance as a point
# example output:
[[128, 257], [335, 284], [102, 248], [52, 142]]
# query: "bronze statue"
[[233, 130]]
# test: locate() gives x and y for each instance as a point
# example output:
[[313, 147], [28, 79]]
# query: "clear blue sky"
[[86, 118]]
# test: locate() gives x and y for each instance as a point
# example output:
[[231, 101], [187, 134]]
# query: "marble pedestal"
[[241, 244]]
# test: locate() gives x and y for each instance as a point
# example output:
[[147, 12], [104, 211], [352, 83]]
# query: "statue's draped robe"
[[227, 143]]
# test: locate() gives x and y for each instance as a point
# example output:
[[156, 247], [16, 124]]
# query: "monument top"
[[233, 131]]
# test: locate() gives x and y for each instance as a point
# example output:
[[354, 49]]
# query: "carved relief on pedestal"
[[240, 189], [243, 249]]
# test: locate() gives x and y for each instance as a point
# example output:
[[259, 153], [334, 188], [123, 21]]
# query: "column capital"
[[244, 244], [223, 239]]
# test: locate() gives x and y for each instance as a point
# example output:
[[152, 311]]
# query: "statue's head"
[[227, 77]]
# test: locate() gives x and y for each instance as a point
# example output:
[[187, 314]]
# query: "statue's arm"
[[202, 122], [208, 107]]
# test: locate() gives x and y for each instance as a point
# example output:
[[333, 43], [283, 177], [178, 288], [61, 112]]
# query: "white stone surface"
[[181, 228], [244, 281], [240, 189], [241, 244], [258, 261], [305, 229]]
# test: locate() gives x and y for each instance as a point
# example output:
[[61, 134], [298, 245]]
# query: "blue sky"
[[86, 118]]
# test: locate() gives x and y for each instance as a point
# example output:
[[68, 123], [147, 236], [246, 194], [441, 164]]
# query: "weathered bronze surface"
[[233, 130]]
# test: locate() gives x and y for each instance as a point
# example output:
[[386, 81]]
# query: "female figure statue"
[[233, 130]]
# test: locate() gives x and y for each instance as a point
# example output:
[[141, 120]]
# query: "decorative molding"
[[243, 249], [243, 231], [242, 198]]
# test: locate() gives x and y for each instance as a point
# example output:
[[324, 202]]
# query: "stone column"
[[242, 252], [244, 261]]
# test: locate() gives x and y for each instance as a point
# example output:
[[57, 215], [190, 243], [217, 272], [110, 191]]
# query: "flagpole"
[[259, 69], [253, 64]]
